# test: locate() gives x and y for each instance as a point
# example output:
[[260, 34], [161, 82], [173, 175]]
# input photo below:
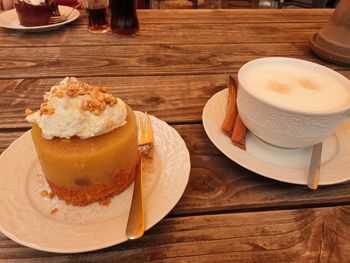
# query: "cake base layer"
[[85, 195]]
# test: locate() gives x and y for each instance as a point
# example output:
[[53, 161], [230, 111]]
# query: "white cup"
[[275, 115]]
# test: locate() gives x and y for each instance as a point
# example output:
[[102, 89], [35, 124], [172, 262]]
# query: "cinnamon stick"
[[231, 108], [239, 133], [232, 124]]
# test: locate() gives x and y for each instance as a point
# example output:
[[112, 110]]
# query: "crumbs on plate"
[[54, 211]]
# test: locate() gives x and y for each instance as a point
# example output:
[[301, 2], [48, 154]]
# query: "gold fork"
[[136, 221], [62, 18]]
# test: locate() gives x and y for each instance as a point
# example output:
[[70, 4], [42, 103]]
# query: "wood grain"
[[218, 184], [213, 16], [304, 235], [173, 99], [145, 60], [178, 33], [180, 59]]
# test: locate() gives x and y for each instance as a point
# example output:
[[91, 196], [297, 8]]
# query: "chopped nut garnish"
[[44, 104], [94, 105], [28, 112], [58, 94], [72, 93], [98, 100], [81, 92], [54, 211], [43, 193], [86, 86], [88, 105], [103, 106], [104, 89], [48, 111], [100, 96], [109, 99]]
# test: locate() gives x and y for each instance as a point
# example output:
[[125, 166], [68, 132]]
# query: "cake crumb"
[[46, 110], [44, 193], [51, 195], [28, 112], [148, 154], [105, 202], [54, 211]]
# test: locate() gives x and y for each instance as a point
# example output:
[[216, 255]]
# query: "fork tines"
[[145, 137]]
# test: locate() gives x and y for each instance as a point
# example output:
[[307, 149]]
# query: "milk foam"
[[296, 86]]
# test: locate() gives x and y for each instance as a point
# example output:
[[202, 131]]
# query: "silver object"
[[315, 164], [136, 222]]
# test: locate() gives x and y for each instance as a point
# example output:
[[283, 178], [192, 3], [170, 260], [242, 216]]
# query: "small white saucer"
[[286, 165], [9, 19]]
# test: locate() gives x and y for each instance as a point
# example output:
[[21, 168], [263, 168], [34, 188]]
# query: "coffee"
[[296, 86]]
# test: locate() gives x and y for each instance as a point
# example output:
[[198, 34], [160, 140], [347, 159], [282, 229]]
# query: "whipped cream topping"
[[37, 2], [74, 108]]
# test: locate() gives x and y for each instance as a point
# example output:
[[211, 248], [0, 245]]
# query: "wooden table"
[[180, 59]]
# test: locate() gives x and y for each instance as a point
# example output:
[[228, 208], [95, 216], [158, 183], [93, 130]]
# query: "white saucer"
[[284, 165], [9, 19], [25, 216]]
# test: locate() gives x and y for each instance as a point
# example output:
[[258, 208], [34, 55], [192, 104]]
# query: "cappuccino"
[[296, 85]]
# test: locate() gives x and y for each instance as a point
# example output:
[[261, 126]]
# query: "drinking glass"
[[98, 15]]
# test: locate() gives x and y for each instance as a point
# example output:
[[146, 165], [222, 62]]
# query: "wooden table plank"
[[224, 16], [150, 20], [181, 59], [304, 235], [162, 96], [178, 33], [145, 60], [218, 184]]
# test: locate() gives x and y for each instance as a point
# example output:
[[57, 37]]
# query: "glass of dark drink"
[[98, 15], [144, 4], [124, 20]]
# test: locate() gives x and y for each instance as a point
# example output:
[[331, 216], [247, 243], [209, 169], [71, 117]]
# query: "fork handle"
[[136, 222], [315, 164]]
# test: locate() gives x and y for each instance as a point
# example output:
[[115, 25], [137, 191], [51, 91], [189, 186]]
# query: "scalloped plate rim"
[[12, 12], [177, 195], [256, 165]]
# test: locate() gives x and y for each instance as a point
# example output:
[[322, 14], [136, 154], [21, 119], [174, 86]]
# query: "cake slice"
[[86, 141], [36, 12]]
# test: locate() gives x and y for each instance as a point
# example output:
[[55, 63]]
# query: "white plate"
[[9, 19], [26, 217], [284, 165]]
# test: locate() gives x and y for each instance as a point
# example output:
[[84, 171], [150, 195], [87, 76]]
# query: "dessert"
[[36, 12], [86, 141]]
